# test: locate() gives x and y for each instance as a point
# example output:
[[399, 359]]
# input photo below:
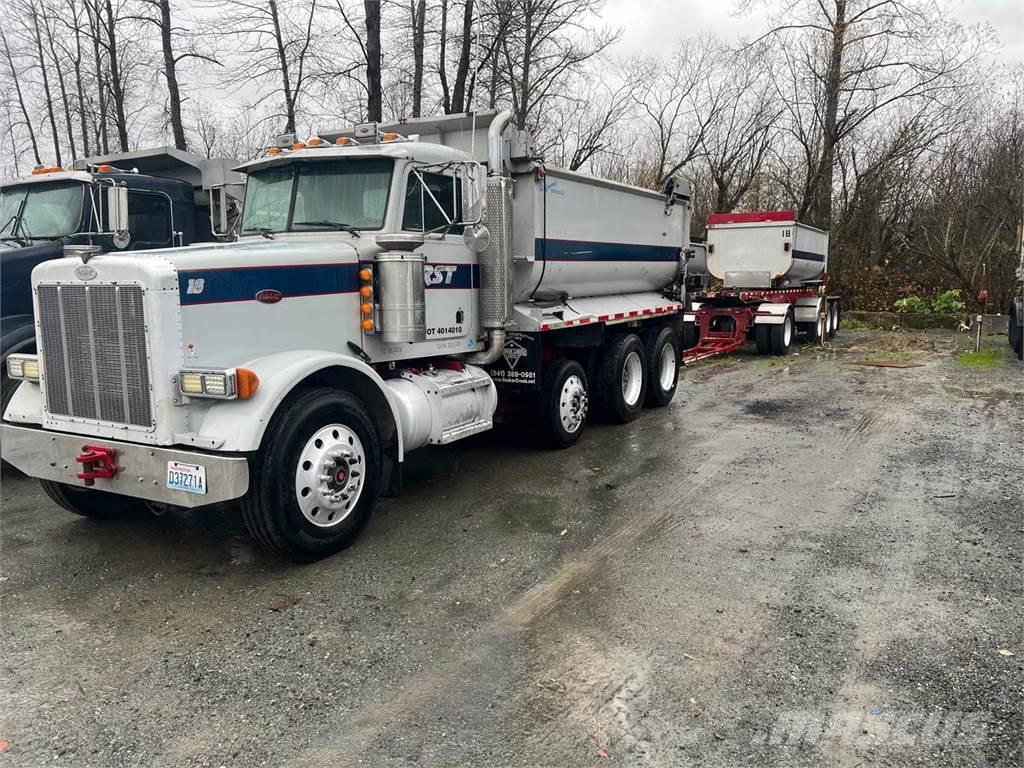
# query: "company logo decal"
[[196, 285], [269, 296], [514, 352], [440, 274], [85, 272]]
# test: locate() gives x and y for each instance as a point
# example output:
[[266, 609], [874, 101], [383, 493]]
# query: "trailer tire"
[[661, 347], [763, 339], [564, 402], [782, 335], [320, 444], [1016, 331], [87, 502], [833, 318], [622, 378], [690, 335]]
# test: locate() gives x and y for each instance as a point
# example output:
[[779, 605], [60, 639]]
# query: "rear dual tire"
[[775, 339]]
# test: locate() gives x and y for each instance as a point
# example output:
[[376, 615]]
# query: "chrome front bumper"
[[142, 470]]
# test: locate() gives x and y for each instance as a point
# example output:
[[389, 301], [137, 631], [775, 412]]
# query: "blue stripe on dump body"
[[584, 250], [808, 256], [213, 286]]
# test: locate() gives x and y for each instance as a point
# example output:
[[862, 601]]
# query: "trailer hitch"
[[97, 461]]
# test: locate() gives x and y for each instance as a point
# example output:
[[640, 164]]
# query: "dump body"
[[580, 236], [765, 250]]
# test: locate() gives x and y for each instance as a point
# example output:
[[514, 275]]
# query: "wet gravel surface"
[[800, 562]]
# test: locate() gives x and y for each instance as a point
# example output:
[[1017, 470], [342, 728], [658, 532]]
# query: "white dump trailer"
[[393, 286], [773, 273]]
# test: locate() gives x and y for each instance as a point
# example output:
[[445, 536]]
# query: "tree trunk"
[[46, 84], [171, 74], [442, 61], [289, 100], [64, 98], [459, 101], [821, 205], [96, 25], [373, 87], [21, 97], [117, 88], [83, 124], [419, 20]]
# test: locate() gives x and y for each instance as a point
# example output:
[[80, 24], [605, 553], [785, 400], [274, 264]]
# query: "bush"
[[949, 302], [913, 304]]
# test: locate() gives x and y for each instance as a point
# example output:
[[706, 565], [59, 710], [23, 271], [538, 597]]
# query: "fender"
[[807, 310], [239, 425], [776, 316]]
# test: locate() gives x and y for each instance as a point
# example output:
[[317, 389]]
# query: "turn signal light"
[[365, 274], [246, 383]]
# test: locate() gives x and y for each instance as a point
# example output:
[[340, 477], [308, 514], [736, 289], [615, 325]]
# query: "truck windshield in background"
[[41, 211], [319, 195]]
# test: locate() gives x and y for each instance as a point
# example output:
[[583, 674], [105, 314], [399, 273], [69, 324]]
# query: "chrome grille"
[[93, 347]]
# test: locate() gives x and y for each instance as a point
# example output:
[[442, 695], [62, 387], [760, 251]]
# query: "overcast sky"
[[655, 25]]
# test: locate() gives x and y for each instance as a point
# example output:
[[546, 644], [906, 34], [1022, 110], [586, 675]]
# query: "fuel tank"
[[577, 236]]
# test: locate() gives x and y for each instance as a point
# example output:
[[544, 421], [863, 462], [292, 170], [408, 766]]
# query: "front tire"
[[316, 477], [99, 505], [622, 378], [661, 353], [564, 402]]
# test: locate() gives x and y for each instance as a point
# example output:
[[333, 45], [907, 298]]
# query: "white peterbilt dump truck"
[[774, 282], [392, 285]]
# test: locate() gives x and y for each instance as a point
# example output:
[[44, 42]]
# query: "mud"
[[800, 562]]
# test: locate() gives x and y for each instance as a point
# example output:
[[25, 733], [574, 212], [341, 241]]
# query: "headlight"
[[23, 367], [219, 384]]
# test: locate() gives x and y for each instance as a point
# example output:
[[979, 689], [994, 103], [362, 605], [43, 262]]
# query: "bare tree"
[[373, 59], [15, 71]]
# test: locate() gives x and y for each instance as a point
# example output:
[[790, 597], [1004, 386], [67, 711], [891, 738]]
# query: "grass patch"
[[855, 324], [986, 358]]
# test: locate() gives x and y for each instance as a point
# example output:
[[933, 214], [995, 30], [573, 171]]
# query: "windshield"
[[41, 210], [318, 195]]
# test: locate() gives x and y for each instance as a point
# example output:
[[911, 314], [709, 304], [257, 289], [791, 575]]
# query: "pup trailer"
[[391, 288], [128, 201], [774, 282]]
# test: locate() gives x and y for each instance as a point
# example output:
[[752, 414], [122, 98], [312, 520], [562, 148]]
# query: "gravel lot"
[[801, 562]]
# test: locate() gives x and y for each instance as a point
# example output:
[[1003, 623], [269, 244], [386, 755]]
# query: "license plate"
[[186, 477]]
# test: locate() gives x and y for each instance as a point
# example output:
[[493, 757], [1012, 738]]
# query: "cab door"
[[433, 200]]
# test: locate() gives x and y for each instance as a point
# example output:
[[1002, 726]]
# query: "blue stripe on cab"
[[583, 250], [211, 286]]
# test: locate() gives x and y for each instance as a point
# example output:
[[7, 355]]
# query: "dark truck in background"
[[128, 201]]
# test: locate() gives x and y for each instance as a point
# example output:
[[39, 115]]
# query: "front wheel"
[[86, 502], [564, 402], [661, 350], [316, 477]]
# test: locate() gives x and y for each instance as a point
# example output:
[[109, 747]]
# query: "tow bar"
[[97, 461]]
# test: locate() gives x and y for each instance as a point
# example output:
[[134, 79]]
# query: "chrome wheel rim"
[[330, 475], [572, 403], [667, 368], [632, 378], [787, 331]]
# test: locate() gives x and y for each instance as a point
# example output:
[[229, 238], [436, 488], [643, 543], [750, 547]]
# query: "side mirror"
[[117, 209], [474, 184]]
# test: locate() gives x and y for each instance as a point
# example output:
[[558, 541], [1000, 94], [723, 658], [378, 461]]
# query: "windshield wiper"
[[332, 224], [265, 231]]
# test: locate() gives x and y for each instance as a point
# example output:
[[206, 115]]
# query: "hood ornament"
[[84, 252]]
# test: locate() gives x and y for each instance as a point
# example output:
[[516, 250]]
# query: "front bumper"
[[142, 470]]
